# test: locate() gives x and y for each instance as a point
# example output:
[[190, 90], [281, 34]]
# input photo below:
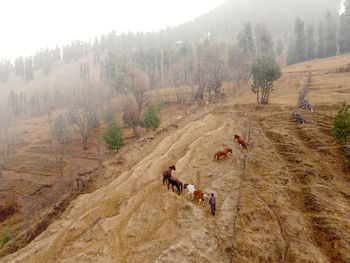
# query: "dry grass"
[[293, 174]]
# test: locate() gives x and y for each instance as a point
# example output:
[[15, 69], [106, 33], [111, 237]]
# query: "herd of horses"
[[223, 153], [197, 194], [168, 178]]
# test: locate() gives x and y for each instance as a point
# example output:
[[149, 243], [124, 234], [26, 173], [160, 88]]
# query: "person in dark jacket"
[[212, 202]]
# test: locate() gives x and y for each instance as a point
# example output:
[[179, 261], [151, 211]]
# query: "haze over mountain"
[[43, 24], [89, 124]]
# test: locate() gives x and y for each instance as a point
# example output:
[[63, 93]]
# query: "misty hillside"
[[87, 129], [226, 20]]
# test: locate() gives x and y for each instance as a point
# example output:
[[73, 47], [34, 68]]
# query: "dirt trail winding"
[[136, 219]]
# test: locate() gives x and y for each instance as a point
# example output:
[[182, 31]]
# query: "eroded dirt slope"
[[136, 219], [295, 200]]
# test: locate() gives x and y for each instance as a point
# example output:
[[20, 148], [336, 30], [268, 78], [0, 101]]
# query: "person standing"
[[212, 202]]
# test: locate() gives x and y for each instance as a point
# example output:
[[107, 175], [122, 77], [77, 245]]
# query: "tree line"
[[332, 34]]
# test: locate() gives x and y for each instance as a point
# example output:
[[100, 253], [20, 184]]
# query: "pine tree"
[[279, 47], [150, 118], [310, 42], [264, 71], [330, 36], [60, 130], [341, 128], [291, 53], [96, 51], [264, 43], [246, 50], [28, 71], [19, 67], [300, 40], [320, 44], [113, 136], [344, 29]]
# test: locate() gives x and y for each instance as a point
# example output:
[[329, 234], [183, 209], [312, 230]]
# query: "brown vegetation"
[[293, 202]]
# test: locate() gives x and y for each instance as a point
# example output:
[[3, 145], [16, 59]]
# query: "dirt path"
[[136, 219]]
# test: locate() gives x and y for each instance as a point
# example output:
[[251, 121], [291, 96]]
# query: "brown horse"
[[240, 141], [167, 173], [174, 181], [237, 137], [199, 195], [218, 154]]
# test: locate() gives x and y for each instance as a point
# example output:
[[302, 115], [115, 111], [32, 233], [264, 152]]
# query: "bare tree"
[[83, 116], [133, 84], [6, 135], [61, 137]]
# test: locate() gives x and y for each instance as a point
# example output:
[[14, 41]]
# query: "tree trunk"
[[136, 133], [85, 137], [257, 96]]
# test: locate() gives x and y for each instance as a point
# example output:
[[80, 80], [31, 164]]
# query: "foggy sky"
[[26, 26]]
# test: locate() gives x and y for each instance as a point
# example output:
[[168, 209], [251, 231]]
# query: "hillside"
[[294, 201]]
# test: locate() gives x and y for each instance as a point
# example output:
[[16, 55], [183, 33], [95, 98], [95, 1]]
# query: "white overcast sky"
[[28, 25]]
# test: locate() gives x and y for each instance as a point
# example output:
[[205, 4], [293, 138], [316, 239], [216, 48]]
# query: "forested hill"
[[225, 39], [227, 19]]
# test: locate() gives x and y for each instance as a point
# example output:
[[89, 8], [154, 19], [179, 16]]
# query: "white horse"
[[190, 189]]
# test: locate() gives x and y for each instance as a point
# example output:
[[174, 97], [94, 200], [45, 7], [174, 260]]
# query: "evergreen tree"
[[310, 42], [60, 130], [264, 43], [246, 50], [320, 44], [265, 70], [279, 47], [330, 36], [113, 136], [56, 54], [6, 69], [291, 53], [28, 71], [96, 51], [344, 29], [19, 67], [150, 118], [127, 122], [341, 128], [300, 40]]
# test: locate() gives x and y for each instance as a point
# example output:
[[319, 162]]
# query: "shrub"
[[60, 131], [109, 114], [93, 121], [341, 125], [341, 128], [150, 118], [113, 136], [126, 121], [6, 238]]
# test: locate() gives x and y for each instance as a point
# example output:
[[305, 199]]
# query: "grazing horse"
[[237, 137], [167, 173], [240, 141], [218, 155], [173, 181], [199, 195], [190, 189]]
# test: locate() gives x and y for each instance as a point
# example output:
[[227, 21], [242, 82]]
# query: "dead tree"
[[61, 137], [133, 84], [83, 116]]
